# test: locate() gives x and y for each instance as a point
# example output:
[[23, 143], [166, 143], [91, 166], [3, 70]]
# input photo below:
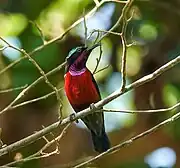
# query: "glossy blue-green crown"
[[74, 50]]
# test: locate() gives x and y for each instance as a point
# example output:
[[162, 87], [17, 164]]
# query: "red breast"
[[80, 89]]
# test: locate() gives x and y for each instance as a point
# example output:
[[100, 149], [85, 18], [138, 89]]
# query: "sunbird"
[[82, 91]]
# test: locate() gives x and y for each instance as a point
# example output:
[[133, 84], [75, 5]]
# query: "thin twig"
[[124, 89], [44, 137], [8, 167], [85, 29], [124, 43], [41, 153], [23, 92], [143, 111], [98, 59], [47, 95], [116, 148], [42, 97], [61, 36], [40, 31], [34, 100], [124, 53], [48, 43], [106, 31], [13, 89], [54, 138], [30, 139], [97, 37], [133, 42], [128, 4], [41, 72], [118, 1], [107, 66], [3, 48]]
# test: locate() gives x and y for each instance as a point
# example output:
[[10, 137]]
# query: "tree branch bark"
[[30, 139]]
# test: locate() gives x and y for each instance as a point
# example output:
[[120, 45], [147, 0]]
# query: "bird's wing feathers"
[[95, 121], [95, 84]]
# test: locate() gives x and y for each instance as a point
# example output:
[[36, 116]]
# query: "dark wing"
[[95, 121], [95, 84]]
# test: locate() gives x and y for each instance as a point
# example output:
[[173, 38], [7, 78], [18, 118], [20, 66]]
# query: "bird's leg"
[[72, 116]]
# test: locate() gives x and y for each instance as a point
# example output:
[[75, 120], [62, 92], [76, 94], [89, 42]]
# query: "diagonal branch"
[[40, 31], [98, 105], [39, 154], [116, 148], [124, 11], [34, 100], [21, 94], [41, 72], [61, 36]]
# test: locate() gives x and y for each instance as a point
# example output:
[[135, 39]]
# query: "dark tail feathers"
[[101, 142]]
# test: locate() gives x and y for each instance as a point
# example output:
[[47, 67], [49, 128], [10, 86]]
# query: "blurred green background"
[[155, 30]]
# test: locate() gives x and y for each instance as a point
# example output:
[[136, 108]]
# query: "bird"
[[82, 91]]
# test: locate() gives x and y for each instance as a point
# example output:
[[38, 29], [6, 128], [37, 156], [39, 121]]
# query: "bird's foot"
[[72, 116], [92, 106]]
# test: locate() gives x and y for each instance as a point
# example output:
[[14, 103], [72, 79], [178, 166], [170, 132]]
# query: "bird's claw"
[[92, 106], [72, 116]]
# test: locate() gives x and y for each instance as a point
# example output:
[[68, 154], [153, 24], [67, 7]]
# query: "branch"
[[98, 60], [21, 94], [96, 2], [124, 11], [13, 89], [40, 31], [34, 100], [98, 105], [41, 154], [124, 43], [107, 66], [85, 29], [116, 148], [143, 111], [61, 36], [125, 21], [105, 110], [41, 72], [124, 53], [8, 167]]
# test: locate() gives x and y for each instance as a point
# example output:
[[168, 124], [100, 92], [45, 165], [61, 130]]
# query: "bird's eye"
[[78, 50]]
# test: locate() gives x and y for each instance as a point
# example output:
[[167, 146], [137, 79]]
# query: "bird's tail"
[[101, 142]]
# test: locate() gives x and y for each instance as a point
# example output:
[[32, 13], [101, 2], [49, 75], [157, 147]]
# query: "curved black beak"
[[93, 47]]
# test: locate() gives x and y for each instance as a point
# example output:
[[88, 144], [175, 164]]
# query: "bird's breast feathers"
[[81, 89]]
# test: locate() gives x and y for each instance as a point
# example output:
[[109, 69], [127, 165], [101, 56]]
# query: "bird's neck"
[[76, 72]]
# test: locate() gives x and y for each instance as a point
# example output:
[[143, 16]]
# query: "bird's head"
[[77, 58]]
